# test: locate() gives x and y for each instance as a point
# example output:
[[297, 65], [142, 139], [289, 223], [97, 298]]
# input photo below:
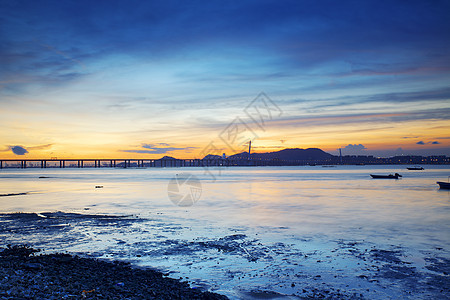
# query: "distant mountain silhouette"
[[168, 157], [309, 154]]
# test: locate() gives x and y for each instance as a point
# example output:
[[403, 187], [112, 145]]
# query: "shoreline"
[[245, 266], [25, 275]]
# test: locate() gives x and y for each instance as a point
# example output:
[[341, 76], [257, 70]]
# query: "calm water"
[[254, 229]]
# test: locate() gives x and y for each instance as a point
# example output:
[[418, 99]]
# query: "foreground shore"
[[26, 275], [239, 264]]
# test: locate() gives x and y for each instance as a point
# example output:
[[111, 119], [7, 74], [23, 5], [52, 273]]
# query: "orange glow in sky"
[[114, 83]]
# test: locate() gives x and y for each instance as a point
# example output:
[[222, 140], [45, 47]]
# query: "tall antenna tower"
[[249, 149]]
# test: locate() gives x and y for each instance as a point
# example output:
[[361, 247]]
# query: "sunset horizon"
[[352, 150]]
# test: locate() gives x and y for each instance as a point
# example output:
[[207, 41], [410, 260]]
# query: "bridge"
[[118, 163]]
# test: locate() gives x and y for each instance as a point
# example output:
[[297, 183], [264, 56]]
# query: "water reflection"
[[281, 216]]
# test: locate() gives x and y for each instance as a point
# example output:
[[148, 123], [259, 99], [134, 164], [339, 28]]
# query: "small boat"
[[390, 176], [416, 168], [444, 185]]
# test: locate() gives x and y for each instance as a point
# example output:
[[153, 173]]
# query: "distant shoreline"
[[179, 164], [285, 157]]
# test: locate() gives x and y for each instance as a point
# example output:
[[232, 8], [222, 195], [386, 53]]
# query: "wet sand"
[[348, 270]]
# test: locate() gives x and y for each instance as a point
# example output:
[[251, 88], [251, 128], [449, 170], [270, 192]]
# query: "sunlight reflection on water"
[[303, 198]]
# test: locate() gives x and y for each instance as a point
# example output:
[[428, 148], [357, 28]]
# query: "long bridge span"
[[112, 163], [131, 163]]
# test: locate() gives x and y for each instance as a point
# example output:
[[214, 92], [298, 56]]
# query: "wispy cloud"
[[160, 148], [40, 147]]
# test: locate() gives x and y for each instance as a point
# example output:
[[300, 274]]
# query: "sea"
[[246, 232]]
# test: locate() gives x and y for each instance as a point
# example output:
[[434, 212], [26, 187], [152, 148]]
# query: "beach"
[[280, 233]]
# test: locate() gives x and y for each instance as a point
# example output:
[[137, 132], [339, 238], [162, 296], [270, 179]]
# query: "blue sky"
[[93, 77]]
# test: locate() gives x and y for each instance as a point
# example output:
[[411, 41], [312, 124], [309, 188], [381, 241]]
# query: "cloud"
[[40, 147], [350, 117], [160, 148], [427, 143], [19, 150], [139, 151], [399, 151], [355, 147], [274, 46], [295, 32]]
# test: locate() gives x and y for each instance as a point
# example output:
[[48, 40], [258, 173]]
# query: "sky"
[[145, 79]]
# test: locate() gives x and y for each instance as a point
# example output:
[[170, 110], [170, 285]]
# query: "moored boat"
[[390, 176], [444, 185], [416, 168]]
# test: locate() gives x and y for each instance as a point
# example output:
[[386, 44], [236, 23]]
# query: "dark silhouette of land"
[[285, 157], [295, 154]]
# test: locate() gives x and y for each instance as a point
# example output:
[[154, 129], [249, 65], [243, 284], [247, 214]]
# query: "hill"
[[293, 154]]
